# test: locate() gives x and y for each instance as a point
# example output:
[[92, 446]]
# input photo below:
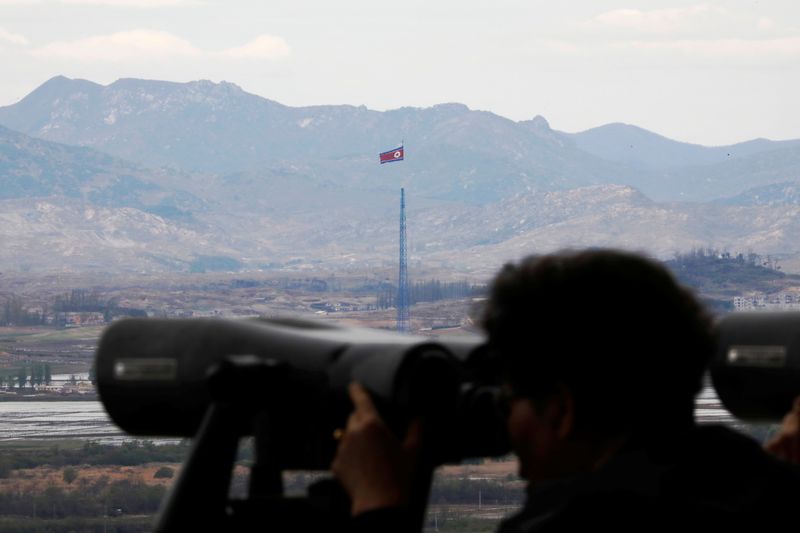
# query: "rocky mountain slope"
[[207, 172], [776, 194], [454, 153], [32, 168]]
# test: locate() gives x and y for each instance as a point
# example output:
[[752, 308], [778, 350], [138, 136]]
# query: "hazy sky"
[[711, 73]]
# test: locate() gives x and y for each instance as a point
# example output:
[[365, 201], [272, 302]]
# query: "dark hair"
[[614, 327]]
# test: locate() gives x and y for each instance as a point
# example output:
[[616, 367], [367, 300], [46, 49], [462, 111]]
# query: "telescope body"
[[155, 377], [756, 369]]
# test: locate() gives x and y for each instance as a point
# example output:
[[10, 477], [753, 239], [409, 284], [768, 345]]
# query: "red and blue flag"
[[392, 155]]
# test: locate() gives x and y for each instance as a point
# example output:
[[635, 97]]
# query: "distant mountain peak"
[[539, 120], [538, 123], [60, 79], [58, 85], [623, 128]]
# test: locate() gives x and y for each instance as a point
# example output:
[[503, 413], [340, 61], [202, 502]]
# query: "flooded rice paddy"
[[52, 420], [57, 420]]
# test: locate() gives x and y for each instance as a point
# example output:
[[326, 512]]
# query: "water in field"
[[709, 410], [22, 420], [88, 420]]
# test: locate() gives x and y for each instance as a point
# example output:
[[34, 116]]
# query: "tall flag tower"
[[403, 298], [403, 315]]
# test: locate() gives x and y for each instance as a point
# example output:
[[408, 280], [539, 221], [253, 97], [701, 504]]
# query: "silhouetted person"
[[603, 355]]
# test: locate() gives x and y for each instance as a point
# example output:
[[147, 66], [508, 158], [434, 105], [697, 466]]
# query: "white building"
[[781, 301]]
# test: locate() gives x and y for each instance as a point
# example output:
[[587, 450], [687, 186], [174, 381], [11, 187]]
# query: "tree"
[[93, 375], [48, 376], [36, 374], [164, 472], [22, 377], [5, 467], [69, 475]]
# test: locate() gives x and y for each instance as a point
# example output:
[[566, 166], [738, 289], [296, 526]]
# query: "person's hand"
[[786, 444], [373, 466]]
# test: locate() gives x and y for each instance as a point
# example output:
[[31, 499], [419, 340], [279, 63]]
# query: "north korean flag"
[[392, 155]]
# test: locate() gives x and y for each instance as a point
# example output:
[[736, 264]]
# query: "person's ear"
[[560, 412]]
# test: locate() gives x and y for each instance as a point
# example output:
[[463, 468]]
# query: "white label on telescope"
[[766, 356], [145, 369]]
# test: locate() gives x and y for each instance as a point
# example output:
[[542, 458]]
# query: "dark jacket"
[[710, 478]]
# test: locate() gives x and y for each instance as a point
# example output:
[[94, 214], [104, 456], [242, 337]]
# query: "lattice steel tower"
[[403, 318]]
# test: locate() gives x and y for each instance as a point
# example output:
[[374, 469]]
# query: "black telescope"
[[157, 377], [756, 370], [284, 382]]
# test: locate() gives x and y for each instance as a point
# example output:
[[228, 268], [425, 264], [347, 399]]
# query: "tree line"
[[708, 270], [713, 255], [97, 498], [470, 491], [36, 374], [14, 312], [428, 291], [87, 503], [17, 312], [130, 453]]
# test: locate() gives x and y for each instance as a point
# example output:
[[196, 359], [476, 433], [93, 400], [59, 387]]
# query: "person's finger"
[[352, 424], [361, 399], [768, 445], [777, 446], [773, 445]]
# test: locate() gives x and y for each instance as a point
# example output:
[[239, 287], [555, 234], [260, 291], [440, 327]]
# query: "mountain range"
[[151, 175]]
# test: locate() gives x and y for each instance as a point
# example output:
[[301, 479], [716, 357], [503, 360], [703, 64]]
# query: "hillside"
[[453, 153], [721, 276], [32, 168], [647, 150]]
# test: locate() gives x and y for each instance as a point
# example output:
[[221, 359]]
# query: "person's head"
[[599, 345]]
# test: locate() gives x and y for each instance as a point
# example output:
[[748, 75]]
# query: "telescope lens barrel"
[[154, 379], [756, 370]]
